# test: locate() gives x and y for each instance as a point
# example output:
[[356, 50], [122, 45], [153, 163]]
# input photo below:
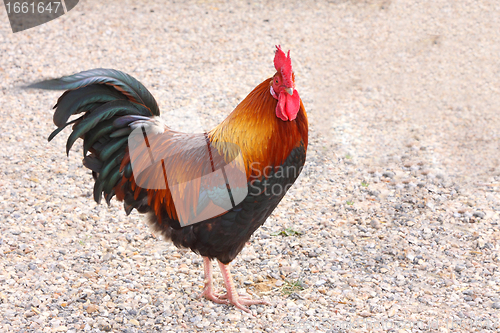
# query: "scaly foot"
[[208, 290], [238, 300]]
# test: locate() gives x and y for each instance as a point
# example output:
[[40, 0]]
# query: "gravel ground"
[[393, 226]]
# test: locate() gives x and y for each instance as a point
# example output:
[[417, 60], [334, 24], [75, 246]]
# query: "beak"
[[289, 91]]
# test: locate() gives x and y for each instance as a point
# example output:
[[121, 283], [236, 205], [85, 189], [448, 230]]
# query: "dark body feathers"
[[223, 237]]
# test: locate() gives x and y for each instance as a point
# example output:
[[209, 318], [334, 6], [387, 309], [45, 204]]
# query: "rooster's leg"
[[208, 290], [232, 295]]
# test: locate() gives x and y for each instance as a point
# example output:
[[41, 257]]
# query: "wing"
[[180, 174]]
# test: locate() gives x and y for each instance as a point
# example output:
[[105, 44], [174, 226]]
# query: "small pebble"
[[92, 308]]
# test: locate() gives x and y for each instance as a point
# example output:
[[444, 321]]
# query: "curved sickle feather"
[[122, 82]]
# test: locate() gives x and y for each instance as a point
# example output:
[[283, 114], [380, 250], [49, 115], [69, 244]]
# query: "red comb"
[[283, 65]]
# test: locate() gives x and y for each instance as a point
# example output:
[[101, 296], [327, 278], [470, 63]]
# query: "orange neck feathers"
[[264, 139]]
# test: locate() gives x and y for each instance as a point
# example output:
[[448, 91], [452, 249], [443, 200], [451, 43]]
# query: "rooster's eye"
[[276, 81]]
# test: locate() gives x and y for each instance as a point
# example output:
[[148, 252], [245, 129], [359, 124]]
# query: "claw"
[[214, 297], [241, 301], [238, 300]]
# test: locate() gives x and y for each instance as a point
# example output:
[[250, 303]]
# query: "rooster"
[[266, 134]]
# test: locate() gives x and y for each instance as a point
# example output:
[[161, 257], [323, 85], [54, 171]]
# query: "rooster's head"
[[283, 87]]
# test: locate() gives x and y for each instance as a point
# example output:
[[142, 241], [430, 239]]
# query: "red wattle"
[[288, 106]]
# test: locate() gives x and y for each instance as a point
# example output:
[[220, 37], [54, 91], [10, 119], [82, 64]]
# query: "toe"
[[214, 297], [241, 307]]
